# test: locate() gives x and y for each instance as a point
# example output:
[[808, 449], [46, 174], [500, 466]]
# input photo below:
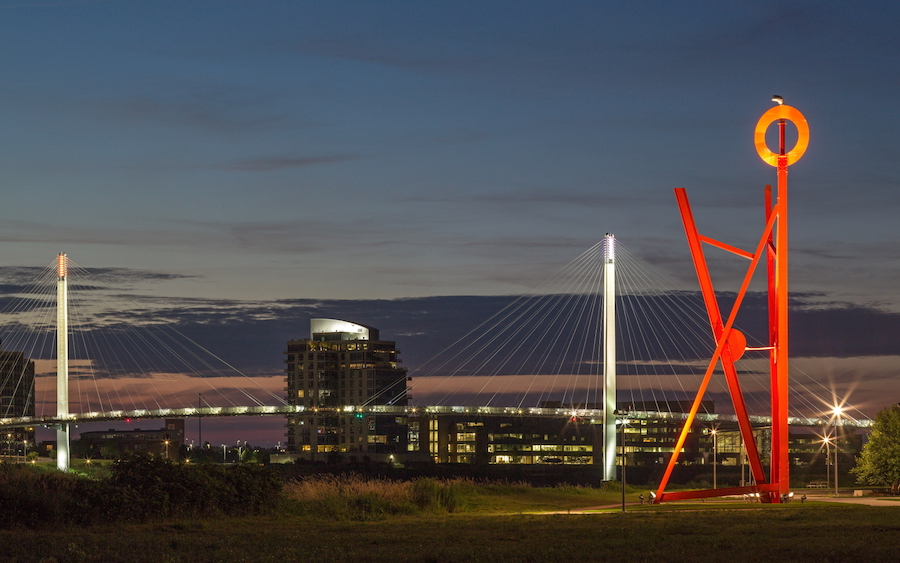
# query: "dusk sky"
[[239, 154]]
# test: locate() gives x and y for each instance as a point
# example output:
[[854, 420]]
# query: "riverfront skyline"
[[228, 156]]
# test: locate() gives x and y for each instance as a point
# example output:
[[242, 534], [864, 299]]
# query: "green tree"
[[109, 450], [879, 461]]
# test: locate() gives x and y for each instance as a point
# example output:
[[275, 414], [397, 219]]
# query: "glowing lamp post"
[[715, 434], [837, 412], [624, 461]]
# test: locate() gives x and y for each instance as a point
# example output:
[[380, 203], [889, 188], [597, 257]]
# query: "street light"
[[624, 460], [715, 434], [837, 412], [167, 448], [827, 441]]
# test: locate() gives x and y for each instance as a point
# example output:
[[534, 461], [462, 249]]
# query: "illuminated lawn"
[[726, 532]]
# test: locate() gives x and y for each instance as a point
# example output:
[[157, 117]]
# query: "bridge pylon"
[[609, 358], [62, 361]]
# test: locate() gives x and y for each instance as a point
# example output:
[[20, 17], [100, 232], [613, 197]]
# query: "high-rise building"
[[16, 399], [344, 364]]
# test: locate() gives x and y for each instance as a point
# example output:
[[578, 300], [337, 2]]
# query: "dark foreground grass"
[[797, 533]]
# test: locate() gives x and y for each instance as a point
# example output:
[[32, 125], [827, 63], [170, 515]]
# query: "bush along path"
[[139, 488]]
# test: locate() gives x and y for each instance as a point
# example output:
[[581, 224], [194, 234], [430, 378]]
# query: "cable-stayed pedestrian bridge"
[[549, 345]]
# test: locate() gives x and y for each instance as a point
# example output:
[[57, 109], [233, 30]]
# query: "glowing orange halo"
[[792, 115]]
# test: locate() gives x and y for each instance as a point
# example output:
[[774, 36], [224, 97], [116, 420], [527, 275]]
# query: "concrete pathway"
[[869, 501]]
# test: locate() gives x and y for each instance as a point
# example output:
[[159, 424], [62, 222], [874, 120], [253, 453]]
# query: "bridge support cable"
[[684, 310], [31, 306], [135, 350], [662, 327], [560, 360], [141, 346], [471, 354], [100, 353]]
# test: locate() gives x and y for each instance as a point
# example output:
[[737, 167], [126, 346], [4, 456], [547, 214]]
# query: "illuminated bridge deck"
[[594, 415]]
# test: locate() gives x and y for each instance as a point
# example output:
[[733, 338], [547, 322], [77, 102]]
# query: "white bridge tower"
[[62, 362], [609, 358]]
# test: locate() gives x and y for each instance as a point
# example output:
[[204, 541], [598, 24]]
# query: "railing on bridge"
[[595, 415]]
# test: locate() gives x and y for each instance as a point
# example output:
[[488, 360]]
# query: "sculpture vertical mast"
[[62, 362], [780, 461], [609, 358]]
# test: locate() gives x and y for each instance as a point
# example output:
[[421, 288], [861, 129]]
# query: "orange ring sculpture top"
[[781, 112]]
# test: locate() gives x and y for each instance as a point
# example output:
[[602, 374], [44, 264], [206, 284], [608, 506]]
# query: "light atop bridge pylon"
[[62, 266]]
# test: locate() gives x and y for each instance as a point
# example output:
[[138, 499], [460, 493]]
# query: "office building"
[[112, 444], [16, 399], [344, 364]]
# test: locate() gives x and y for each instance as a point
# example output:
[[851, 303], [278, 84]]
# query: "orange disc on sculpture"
[[737, 344], [774, 114]]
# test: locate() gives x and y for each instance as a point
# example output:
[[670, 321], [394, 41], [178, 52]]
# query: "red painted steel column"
[[778, 329], [780, 460]]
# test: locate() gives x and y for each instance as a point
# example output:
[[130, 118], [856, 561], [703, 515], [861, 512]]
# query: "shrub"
[[349, 497], [30, 499], [352, 497], [431, 494], [139, 488], [165, 488]]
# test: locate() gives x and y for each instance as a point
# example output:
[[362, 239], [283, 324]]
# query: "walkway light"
[[837, 411], [827, 441]]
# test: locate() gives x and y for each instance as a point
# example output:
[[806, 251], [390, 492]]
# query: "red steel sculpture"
[[731, 343]]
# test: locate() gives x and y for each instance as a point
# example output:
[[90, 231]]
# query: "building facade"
[[567, 439], [111, 444], [16, 399], [343, 364]]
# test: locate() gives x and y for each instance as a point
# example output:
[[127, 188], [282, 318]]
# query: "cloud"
[[221, 110], [548, 196], [268, 164], [55, 3], [14, 279], [390, 50], [54, 233]]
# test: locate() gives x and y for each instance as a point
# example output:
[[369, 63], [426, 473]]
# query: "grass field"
[[493, 523]]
